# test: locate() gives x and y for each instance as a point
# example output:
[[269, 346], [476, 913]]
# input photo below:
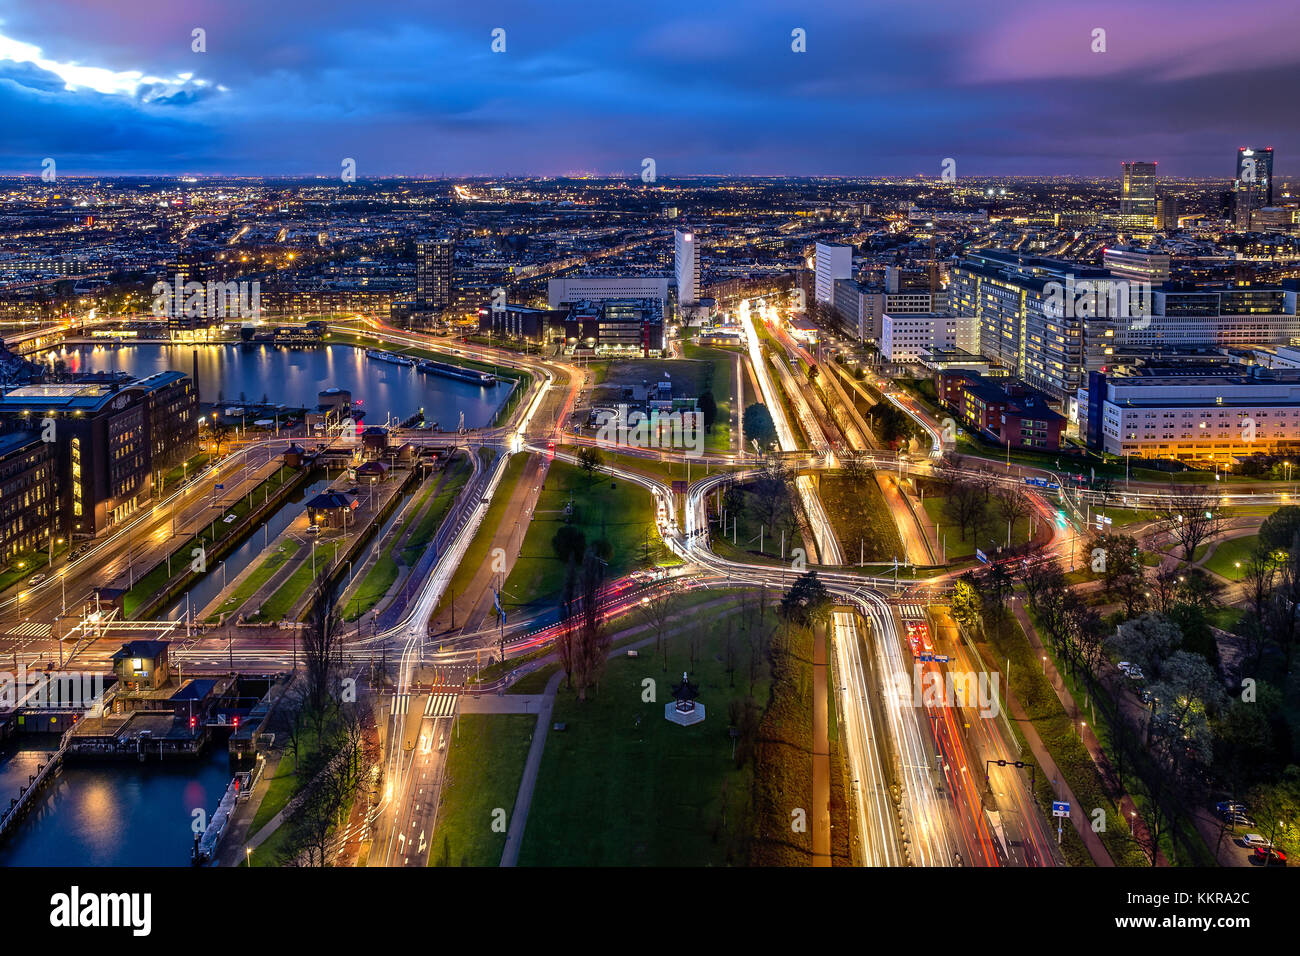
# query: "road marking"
[[440, 705], [32, 629], [401, 702]]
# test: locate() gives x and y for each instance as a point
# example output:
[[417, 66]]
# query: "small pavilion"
[[686, 708]]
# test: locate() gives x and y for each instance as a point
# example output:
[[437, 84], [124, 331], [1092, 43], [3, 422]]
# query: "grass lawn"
[[1058, 734], [1122, 516], [1068, 461], [719, 380], [748, 524], [213, 533], [485, 762], [624, 514], [1229, 554], [534, 682], [1101, 726], [665, 470], [787, 404], [623, 786], [373, 586], [279, 604], [860, 515], [477, 551], [31, 562], [283, 785], [249, 586], [383, 573], [1228, 618], [995, 535], [458, 473], [191, 467]]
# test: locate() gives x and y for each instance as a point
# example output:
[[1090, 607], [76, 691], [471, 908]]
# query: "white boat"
[[392, 357]]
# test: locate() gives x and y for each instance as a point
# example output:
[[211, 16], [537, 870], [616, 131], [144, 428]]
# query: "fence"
[[461, 513]]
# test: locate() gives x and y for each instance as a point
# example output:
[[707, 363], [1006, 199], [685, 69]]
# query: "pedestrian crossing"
[[911, 612], [437, 705], [31, 629], [440, 705]]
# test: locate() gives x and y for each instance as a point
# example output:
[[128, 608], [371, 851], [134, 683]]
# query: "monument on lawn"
[[685, 708]]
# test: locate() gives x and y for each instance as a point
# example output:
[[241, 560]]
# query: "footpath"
[[1110, 779]]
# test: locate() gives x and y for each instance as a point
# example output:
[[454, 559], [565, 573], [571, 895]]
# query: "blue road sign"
[[982, 556], [1060, 808], [219, 487]]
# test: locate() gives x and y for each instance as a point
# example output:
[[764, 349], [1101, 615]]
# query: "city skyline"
[[586, 90]]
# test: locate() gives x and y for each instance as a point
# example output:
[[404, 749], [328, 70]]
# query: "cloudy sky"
[[292, 87]]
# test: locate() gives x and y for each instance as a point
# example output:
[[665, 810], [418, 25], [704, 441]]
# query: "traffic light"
[[194, 721], [236, 721]]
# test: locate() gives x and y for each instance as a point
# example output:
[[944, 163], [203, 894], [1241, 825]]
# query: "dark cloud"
[[1003, 86]]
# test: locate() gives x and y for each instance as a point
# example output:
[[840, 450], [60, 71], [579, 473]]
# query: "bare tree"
[[322, 654], [985, 481], [1013, 504], [655, 610], [855, 469], [729, 652], [591, 639], [964, 507], [1189, 516], [564, 640], [1282, 616]]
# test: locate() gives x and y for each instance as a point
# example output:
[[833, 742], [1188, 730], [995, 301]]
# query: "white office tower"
[[687, 260], [832, 262]]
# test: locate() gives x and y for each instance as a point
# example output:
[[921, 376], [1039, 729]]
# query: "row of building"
[[608, 326], [78, 458]]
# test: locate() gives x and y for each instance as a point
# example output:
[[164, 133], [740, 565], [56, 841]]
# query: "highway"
[[939, 810]]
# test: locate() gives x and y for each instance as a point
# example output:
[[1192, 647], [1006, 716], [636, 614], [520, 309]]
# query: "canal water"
[[231, 374], [110, 814], [132, 814], [209, 586]]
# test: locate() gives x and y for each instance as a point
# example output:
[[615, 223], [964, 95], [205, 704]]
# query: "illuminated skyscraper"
[[433, 274], [1253, 188], [687, 267], [831, 263], [1137, 191]]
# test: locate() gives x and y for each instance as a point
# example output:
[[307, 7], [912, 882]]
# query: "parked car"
[[1135, 673], [1255, 840], [1267, 858], [1124, 666], [1237, 820], [1146, 696], [313, 529], [1228, 806]]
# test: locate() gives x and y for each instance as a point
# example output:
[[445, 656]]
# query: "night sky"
[[291, 87]]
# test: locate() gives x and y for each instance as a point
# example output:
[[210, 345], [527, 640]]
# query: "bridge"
[[20, 804]]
